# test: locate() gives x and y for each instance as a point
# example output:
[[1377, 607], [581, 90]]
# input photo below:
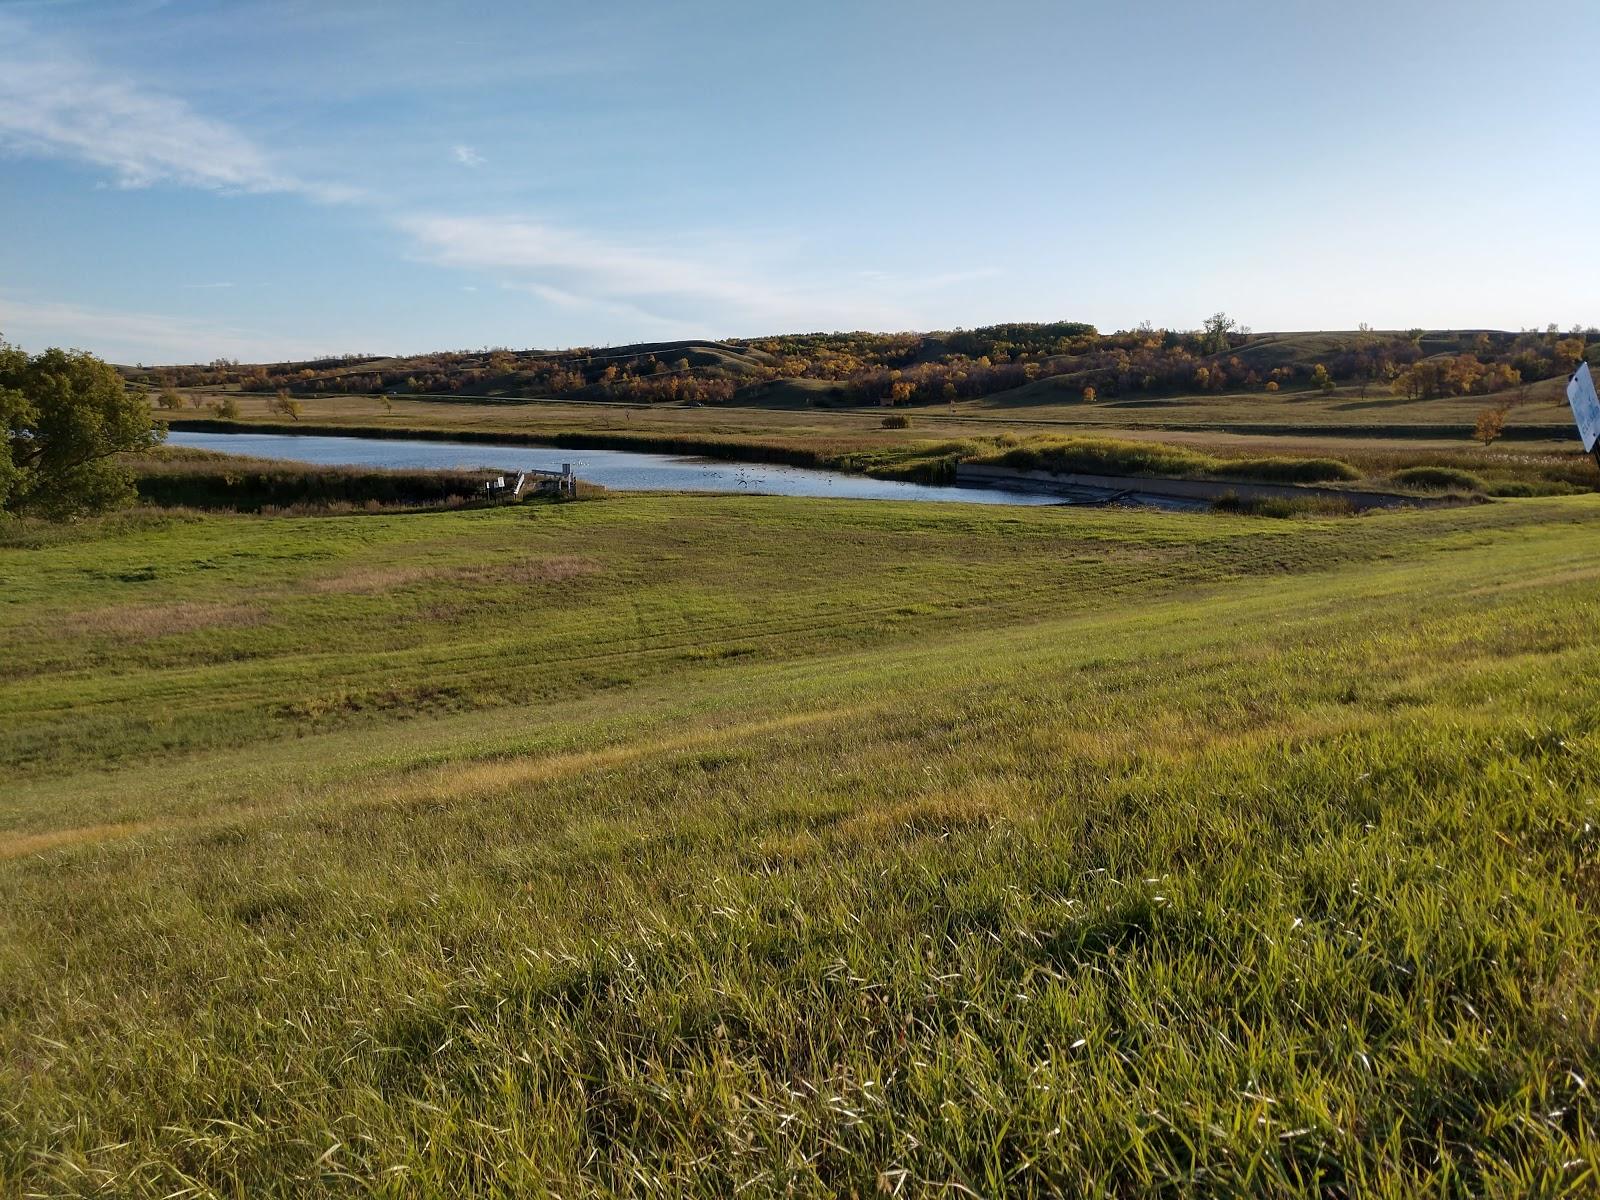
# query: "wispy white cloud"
[[576, 262], [708, 281], [209, 286], [57, 104], [54, 102], [637, 317]]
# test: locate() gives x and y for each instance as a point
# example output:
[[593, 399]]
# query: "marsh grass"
[[1021, 852], [1438, 479], [1282, 469], [1109, 456], [1283, 507], [174, 477]]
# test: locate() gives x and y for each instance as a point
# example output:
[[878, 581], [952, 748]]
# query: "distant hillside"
[[1020, 363]]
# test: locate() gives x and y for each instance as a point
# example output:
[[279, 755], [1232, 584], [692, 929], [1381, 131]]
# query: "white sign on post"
[[1585, 406]]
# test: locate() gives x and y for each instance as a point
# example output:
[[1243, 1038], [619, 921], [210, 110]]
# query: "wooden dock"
[[509, 486]]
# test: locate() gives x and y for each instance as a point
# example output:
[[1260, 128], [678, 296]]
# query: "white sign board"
[[1585, 406]]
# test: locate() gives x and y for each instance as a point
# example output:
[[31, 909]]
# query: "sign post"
[[1585, 408]]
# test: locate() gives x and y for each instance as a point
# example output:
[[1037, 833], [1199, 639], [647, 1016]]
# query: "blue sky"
[[181, 181]]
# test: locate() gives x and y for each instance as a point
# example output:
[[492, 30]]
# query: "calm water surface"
[[623, 470]]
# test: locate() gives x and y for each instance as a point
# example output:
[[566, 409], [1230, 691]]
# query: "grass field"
[[792, 411], [692, 846]]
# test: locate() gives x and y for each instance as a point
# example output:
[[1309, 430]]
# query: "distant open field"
[[751, 845], [802, 408], [1344, 411]]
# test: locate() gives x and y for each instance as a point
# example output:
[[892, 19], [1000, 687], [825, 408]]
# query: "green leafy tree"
[[13, 419], [65, 416], [1214, 338]]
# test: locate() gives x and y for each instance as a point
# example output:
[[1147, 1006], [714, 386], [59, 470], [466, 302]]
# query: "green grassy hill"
[[760, 846]]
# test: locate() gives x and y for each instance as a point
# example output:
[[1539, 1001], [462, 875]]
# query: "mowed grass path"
[[686, 846]]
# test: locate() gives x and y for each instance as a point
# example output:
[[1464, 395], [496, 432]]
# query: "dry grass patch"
[[144, 621], [557, 568], [456, 782], [369, 579], [978, 806], [17, 844]]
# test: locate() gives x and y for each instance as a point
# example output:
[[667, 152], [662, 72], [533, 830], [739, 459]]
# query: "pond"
[[621, 470]]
